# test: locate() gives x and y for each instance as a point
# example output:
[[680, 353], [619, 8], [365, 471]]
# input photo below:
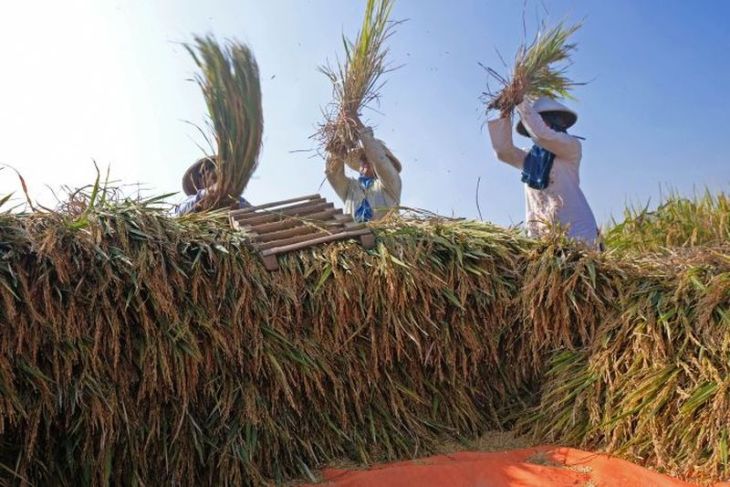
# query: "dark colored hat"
[[192, 179], [549, 105]]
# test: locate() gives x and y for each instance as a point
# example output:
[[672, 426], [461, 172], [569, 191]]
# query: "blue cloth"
[[189, 204], [364, 212], [539, 162], [536, 167]]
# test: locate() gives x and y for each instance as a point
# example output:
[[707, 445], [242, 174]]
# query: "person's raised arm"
[[500, 133], [335, 171], [559, 143], [384, 168]]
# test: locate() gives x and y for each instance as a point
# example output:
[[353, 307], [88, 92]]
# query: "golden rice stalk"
[[357, 82], [535, 73], [140, 346], [229, 80]]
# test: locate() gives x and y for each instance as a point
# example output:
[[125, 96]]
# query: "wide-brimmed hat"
[[355, 157], [192, 179], [550, 105]]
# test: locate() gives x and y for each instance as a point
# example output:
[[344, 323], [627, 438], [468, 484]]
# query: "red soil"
[[543, 466]]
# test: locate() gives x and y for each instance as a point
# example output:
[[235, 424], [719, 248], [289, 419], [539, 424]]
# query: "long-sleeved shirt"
[[188, 204], [562, 201], [385, 191]]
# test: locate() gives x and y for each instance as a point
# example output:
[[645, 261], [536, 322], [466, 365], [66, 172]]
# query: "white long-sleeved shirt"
[[562, 201], [386, 189]]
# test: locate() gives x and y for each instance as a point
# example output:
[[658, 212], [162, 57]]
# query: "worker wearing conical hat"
[[197, 182], [550, 170], [378, 187]]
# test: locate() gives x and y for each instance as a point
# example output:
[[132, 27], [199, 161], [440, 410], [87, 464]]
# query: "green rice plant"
[[652, 386], [535, 73], [229, 80], [678, 222], [356, 82]]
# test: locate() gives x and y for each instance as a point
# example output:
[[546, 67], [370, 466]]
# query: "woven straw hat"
[[355, 157], [191, 181], [550, 105]]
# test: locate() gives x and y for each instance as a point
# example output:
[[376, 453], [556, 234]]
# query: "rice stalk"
[[144, 349], [229, 79], [540, 69], [357, 82], [677, 223]]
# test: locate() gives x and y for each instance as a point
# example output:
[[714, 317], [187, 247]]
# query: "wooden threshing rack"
[[284, 226]]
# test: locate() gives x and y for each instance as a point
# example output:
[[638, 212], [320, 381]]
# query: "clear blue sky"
[[106, 80]]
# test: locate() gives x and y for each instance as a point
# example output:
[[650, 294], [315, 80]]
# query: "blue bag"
[[536, 168]]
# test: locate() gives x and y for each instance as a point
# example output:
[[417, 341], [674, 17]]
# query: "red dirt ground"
[[542, 466]]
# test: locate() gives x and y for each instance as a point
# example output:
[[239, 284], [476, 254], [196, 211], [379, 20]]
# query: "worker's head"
[[366, 169], [200, 175], [358, 161], [556, 115]]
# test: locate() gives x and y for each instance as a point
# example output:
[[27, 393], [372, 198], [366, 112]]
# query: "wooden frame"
[[297, 223]]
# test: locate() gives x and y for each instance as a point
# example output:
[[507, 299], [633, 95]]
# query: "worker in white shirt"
[[550, 170], [377, 189]]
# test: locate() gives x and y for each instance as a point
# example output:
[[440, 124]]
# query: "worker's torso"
[[380, 200], [562, 201]]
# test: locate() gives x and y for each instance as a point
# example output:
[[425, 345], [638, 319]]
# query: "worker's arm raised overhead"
[[384, 168], [500, 133], [561, 144], [335, 171]]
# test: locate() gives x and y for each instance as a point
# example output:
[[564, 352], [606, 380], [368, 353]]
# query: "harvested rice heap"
[[142, 349]]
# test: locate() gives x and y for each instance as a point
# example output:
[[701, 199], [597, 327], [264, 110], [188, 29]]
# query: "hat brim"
[[191, 178], [569, 117]]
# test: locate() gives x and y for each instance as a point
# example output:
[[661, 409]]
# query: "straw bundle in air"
[[229, 79], [539, 70], [357, 82]]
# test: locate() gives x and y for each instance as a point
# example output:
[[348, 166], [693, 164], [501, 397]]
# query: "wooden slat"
[[330, 226], [294, 240], [280, 211], [289, 232], [293, 222], [274, 204], [279, 216], [316, 241]]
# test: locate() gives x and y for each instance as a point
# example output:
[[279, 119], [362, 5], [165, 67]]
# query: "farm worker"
[[550, 170], [377, 189], [194, 182]]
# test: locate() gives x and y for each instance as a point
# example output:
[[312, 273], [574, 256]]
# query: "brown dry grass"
[[136, 347]]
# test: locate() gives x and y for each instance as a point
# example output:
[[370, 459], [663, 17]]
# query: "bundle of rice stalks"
[[357, 82], [140, 348], [143, 348], [677, 222], [566, 293], [229, 80], [654, 384], [534, 73]]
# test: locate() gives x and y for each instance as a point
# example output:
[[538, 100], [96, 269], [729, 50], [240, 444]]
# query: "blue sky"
[[106, 80]]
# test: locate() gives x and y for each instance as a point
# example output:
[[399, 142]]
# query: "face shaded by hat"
[[356, 157], [199, 175], [554, 113]]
